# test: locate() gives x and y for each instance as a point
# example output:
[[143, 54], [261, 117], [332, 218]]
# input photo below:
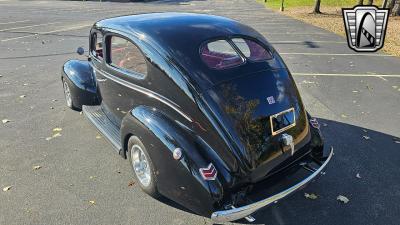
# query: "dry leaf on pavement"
[[92, 202], [6, 120], [57, 129], [98, 137], [22, 96], [310, 196], [37, 167], [343, 199], [7, 188]]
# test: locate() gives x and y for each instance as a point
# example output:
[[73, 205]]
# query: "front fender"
[[82, 82], [178, 180]]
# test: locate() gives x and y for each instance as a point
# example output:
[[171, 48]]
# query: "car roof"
[[180, 35]]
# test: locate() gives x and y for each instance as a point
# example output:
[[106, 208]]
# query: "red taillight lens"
[[209, 173]]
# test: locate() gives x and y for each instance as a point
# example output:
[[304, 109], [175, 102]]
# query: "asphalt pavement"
[[75, 177]]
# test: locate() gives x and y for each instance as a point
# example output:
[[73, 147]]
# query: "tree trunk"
[[282, 7], [390, 4], [384, 4], [370, 2], [317, 6], [360, 2], [396, 9]]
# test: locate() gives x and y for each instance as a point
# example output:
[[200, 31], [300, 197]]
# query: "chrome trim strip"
[[240, 212], [145, 91]]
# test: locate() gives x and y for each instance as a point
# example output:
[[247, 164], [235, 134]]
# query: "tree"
[[360, 2], [396, 8], [317, 6]]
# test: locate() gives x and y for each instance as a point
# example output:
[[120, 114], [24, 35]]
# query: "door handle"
[[101, 80]]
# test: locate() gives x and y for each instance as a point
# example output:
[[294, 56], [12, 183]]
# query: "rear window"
[[251, 49], [220, 55]]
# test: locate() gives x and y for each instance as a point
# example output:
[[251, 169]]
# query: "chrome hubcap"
[[67, 94], [140, 165]]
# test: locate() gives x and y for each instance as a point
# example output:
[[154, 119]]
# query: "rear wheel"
[[142, 166]]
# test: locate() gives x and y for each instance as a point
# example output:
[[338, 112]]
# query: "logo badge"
[[287, 140], [208, 173], [365, 27]]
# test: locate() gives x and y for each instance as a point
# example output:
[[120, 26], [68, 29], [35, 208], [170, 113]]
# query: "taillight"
[[209, 173]]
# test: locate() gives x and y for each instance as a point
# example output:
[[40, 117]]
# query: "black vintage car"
[[203, 107]]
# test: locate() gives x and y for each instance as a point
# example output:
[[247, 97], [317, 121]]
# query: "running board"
[[99, 119]]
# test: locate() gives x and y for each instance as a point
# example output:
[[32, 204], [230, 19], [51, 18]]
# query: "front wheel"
[[68, 95], [142, 166]]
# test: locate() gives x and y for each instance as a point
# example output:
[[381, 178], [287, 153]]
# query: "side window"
[[251, 49], [125, 55], [97, 45], [220, 55]]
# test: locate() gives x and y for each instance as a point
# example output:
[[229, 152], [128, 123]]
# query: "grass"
[[276, 4]]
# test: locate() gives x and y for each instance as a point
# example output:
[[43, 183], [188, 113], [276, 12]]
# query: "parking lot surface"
[[81, 180]]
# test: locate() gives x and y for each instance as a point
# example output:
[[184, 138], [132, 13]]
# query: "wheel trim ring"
[[67, 94], [140, 165]]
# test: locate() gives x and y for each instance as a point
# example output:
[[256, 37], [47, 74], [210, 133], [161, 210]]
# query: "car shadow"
[[374, 196]]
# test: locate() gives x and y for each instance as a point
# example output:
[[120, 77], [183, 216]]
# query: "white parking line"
[[302, 42], [346, 75], [334, 54], [21, 21], [48, 32], [36, 25]]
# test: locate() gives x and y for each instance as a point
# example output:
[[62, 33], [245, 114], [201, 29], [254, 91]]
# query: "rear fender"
[[178, 180], [82, 82]]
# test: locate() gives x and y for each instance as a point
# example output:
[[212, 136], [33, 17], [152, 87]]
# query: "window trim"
[[92, 47], [240, 53], [108, 62], [227, 39], [257, 42]]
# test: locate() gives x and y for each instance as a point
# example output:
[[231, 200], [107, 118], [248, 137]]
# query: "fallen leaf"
[[57, 129], [1, 75], [92, 202], [310, 196], [92, 177], [358, 176], [51, 107], [54, 100], [56, 135], [48, 138], [366, 137], [7, 188], [25, 84], [355, 91], [6, 120], [98, 137], [37, 167], [395, 87], [22, 96], [343, 116], [131, 183], [343, 199]]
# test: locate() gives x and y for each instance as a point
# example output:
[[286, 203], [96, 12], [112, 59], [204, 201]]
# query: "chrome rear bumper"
[[241, 212]]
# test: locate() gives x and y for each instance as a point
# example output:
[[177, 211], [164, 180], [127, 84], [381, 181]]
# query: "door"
[[125, 68]]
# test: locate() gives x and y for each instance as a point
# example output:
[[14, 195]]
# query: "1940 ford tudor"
[[203, 107]]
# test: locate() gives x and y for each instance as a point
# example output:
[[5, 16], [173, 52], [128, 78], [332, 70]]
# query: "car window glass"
[[220, 55], [125, 55], [98, 45], [252, 49]]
